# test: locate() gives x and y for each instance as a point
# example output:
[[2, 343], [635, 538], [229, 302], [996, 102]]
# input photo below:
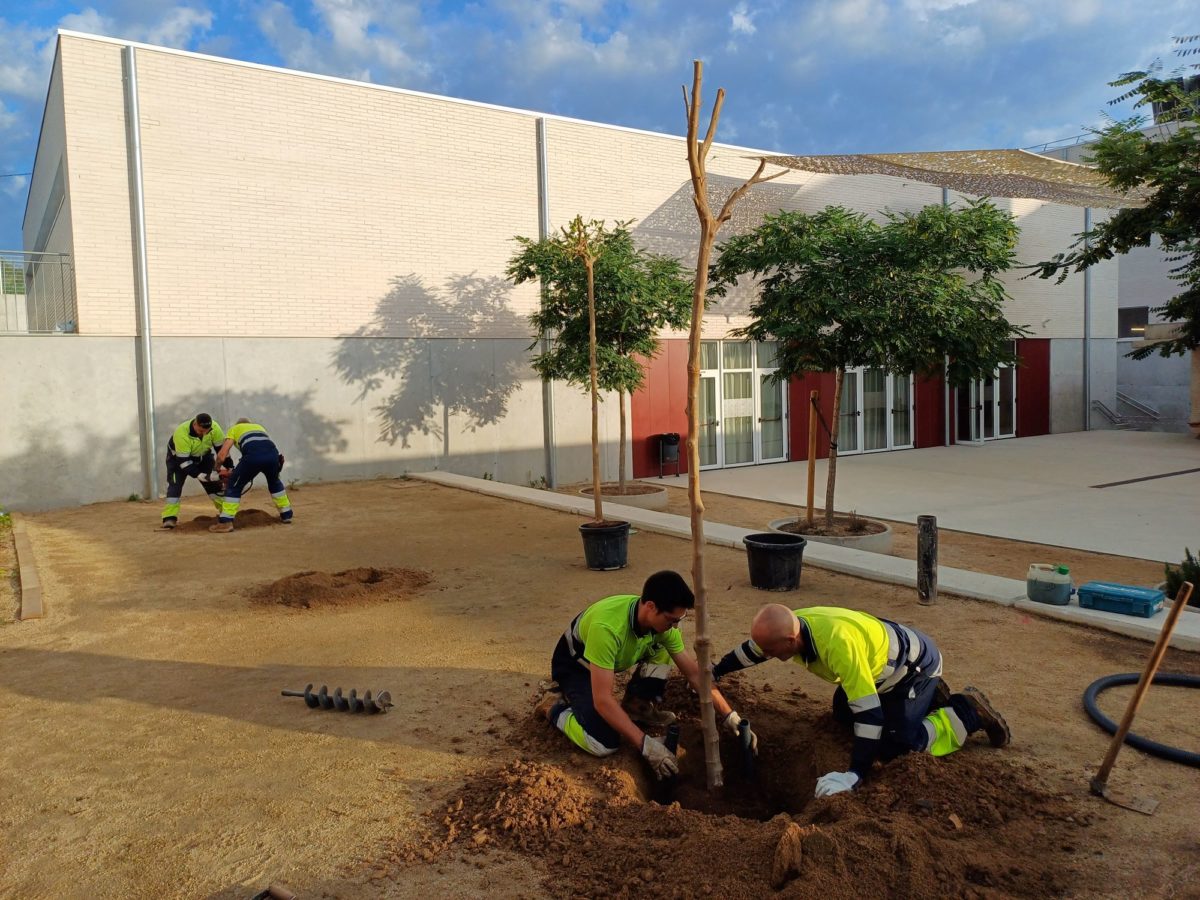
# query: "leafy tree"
[[1166, 169], [838, 290], [635, 294]]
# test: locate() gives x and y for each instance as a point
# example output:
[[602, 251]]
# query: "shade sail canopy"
[[984, 173]]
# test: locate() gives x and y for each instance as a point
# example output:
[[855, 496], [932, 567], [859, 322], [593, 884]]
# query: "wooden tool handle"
[[1143, 685]]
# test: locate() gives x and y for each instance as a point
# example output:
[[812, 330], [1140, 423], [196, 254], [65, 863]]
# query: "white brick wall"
[[279, 204]]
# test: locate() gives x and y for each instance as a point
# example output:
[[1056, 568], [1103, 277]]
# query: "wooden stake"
[[1099, 783], [812, 452], [927, 555]]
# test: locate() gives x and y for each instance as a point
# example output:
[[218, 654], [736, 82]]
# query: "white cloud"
[[368, 40], [741, 20], [174, 26]]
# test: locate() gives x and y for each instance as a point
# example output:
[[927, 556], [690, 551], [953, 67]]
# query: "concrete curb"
[[31, 585], [859, 563]]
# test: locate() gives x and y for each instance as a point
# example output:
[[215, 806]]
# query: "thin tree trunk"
[[709, 225], [591, 294], [621, 463], [839, 376]]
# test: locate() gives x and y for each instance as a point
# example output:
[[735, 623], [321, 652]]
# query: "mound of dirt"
[[352, 587], [974, 824], [246, 518]]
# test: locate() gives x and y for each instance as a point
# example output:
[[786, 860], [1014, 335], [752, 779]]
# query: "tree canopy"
[[839, 290], [1166, 164], [637, 294]]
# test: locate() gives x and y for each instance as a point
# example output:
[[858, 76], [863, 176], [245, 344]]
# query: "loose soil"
[[978, 824], [147, 751], [246, 518], [353, 587]]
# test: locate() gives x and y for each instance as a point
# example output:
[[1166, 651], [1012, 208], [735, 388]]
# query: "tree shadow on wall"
[[303, 435], [438, 355]]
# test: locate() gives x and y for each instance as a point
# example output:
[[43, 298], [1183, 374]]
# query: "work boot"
[[549, 700], [643, 712], [941, 694], [221, 527], [992, 722], [169, 522]]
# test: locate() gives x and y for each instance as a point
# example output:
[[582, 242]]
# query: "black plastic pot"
[[775, 560], [605, 546]]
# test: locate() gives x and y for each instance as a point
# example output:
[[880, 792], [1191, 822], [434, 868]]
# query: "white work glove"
[[662, 761], [731, 723], [835, 783]]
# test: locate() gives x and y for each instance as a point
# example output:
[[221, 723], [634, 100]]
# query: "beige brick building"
[[327, 257]]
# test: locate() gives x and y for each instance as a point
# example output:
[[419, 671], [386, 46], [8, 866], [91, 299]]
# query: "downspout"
[[543, 233], [1087, 326], [133, 146], [946, 367]]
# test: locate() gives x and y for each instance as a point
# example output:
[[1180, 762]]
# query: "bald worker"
[[889, 684]]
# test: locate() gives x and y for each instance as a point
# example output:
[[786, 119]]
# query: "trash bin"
[[668, 451]]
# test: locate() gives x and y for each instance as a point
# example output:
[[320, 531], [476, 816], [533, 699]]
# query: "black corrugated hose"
[[1154, 748]]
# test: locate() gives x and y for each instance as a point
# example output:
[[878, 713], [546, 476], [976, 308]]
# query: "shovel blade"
[[1144, 805]]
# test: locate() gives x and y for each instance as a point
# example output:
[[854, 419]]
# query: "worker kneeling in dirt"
[[259, 455], [613, 635], [889, 684]]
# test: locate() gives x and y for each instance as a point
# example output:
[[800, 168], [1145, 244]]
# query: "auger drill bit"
[[381, 702], [310, 698]]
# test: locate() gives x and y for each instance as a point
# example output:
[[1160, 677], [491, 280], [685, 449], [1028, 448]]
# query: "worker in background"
[[614, 635], [258, 455], [889, 684], [190, 454]]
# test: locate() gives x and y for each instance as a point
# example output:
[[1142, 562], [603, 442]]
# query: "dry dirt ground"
[[147, 751]]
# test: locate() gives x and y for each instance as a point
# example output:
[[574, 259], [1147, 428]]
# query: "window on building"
[[1131, 321]]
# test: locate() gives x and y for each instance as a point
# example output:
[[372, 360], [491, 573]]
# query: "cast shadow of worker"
[[438, 361], [252, 694]]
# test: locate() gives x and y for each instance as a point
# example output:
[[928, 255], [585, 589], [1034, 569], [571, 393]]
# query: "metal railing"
[[1147, 412], [37, 293]]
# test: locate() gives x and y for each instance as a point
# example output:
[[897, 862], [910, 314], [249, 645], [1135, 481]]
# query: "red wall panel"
[[800, 411], [1033, 387], [660, 406]]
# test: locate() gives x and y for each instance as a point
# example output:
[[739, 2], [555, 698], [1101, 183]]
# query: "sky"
[[801, 76]]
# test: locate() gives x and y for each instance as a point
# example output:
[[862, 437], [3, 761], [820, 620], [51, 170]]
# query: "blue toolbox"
[[1120, 598]]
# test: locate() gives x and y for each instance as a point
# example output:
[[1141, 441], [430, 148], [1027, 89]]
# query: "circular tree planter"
[[641, 495], [876, 539], [605, 545]]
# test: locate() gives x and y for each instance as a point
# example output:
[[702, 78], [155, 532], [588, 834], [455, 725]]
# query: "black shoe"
[[991, 721], [169, 522], [941, 694], [647, 714]]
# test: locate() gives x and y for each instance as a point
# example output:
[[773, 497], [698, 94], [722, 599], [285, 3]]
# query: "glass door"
[[849, 414], [1006, 402], [876, 412], [969, 413], [737, 403], [902, 412], [710, 400], [772, 446]]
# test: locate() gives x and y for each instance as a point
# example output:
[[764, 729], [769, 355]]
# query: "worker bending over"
[[888, 678], [190, 455], [258, 455], [614, 635]]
